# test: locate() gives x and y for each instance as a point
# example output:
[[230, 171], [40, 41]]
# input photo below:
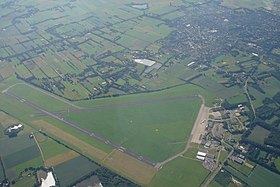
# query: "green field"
[[18, 154], [259, 177], [35, 96], [72, 170], [51, 148], [180, 172], [258, 135], [2, 176], [148, 128]]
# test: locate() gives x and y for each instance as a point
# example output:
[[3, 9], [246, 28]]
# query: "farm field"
[[2, 175], [68, 172], [258, 135], [178, 173], [260, 176]]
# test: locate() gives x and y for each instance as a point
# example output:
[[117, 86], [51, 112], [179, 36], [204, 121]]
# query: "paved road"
[[216, 171], [76, 126]]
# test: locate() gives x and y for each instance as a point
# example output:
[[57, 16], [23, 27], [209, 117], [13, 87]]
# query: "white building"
[[49, 181]]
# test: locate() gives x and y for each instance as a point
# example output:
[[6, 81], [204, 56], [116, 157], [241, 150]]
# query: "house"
[[13, 130]]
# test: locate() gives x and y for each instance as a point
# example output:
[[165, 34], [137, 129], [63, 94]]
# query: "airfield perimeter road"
[[96, 137]]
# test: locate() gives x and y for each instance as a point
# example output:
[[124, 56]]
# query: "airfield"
[[133, 121], [132, 91]]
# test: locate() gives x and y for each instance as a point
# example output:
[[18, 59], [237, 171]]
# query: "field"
[[18, 154], [50, 102], [250, 4], [130, 167], [178, 173], [258, 135], [133, 117], [158, 120], [72, 140], [70, 171], [68, 72], [2, 175], [242, 168], [260, 176]]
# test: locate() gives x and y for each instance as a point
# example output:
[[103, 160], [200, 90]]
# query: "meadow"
[[148, 129], [258, 135], [70, 171], [180, 172]]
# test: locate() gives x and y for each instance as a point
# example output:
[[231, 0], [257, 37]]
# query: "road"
[[216, 171], [77, 127], [249, 97]]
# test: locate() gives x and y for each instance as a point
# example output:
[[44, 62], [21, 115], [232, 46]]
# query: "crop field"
[[242, 168], [19, 153], [2, 175], [251, 4], [259, 134], [263, 177], [178, 173], [130, 167], [51, 148], [72, 170], [260, 176], [216, 88], [81, 145]]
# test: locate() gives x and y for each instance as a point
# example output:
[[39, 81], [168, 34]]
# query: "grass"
[[162, 123], [39, 98], [35, 163], [216, 88], [178, 173], [52, 148], [277, 163], [67, 138], [21, 156], [2, 176], [63, 157], [68, 172], [192, 152], [130, 167], [13, 145], [263, 177], [259, 177], [250, 4], [242, 168], [258, 135], [26, 181]]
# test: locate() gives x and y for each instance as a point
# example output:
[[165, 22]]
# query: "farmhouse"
[[13, 130]]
